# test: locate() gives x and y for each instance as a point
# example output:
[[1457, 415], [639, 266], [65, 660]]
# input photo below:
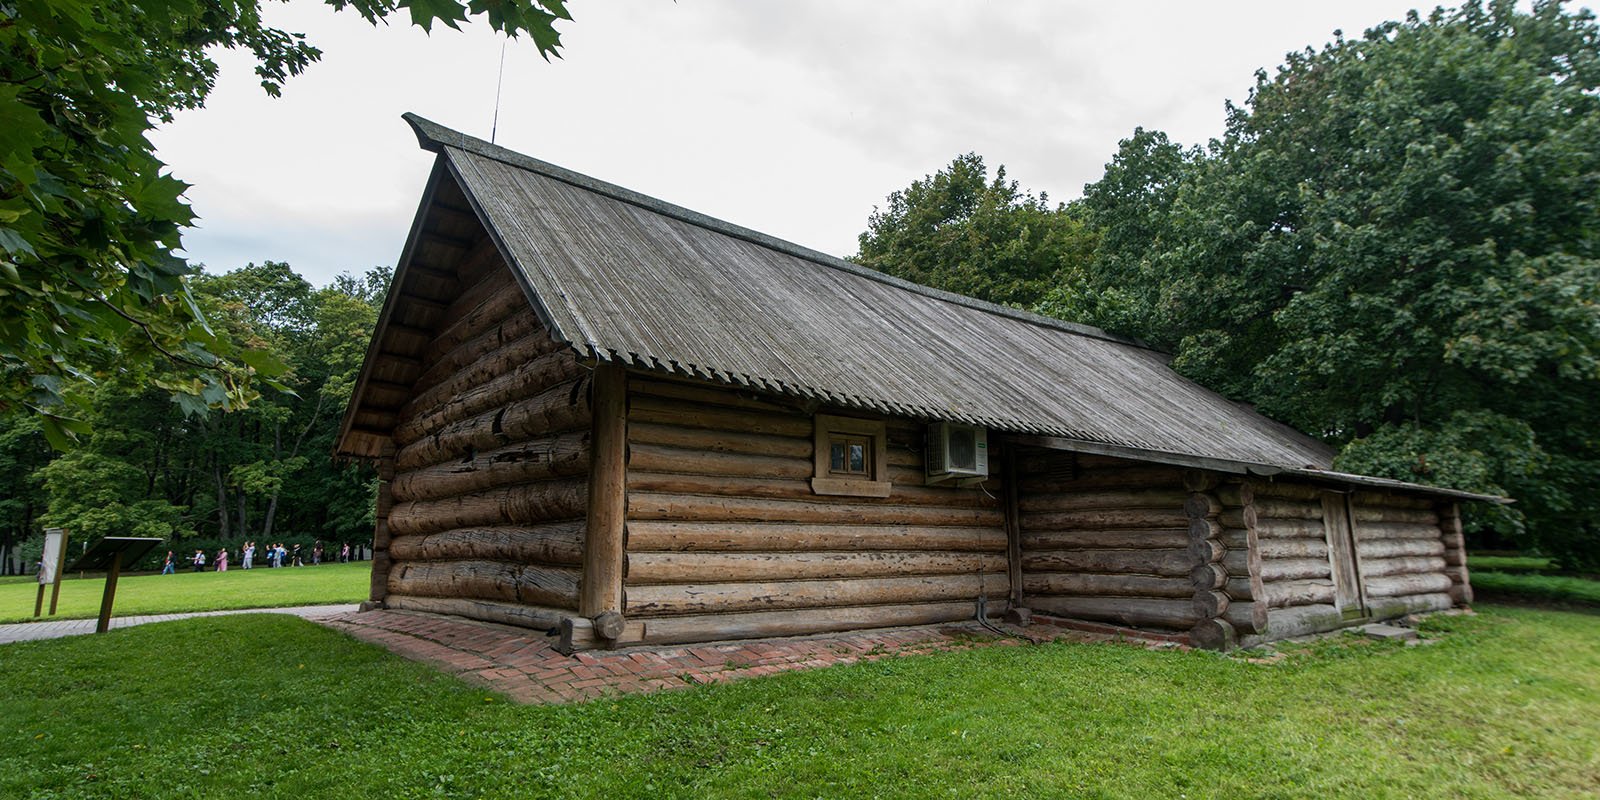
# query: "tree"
[[1395, 245], [89, 219], [957, 230]]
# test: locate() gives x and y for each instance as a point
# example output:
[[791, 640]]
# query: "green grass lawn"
[[195, 591], [1504, 704], [1508, 563], [1536, 588]]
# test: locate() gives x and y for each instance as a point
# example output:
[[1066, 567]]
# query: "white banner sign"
[[54, 539]]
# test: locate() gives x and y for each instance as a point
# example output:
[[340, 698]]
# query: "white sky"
[[792, 118]]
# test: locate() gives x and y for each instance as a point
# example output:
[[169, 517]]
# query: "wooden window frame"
[[875, 483]]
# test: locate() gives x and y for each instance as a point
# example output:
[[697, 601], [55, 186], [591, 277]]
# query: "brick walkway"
[[525, 666], [57, 628]]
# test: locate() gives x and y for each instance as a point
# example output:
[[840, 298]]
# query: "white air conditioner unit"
[[957, 452]]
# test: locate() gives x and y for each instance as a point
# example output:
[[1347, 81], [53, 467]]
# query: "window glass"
[[836, 461]]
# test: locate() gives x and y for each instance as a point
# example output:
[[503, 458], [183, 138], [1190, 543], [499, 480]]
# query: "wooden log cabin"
[[597, 414]]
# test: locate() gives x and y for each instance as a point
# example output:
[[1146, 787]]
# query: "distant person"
[[296, 561], [282, 554], [222, 560], [316, 553], [170, 566], [344, 553], [199, 561], [247, 555]]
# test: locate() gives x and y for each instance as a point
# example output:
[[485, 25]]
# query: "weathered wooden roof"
[[630, 279]]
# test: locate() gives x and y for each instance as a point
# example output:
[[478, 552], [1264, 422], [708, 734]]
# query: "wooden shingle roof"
[[626, 278]]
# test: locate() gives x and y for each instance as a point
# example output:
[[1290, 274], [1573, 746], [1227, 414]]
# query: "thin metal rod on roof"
[[494, 127]]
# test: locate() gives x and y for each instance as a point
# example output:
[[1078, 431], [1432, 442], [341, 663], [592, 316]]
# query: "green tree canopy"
[[89, 219], [1395, 244], [958, 230]]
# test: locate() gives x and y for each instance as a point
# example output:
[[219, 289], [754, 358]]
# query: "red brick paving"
[[525, 666]]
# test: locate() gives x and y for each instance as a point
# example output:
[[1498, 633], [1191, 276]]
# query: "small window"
[[850, 457]]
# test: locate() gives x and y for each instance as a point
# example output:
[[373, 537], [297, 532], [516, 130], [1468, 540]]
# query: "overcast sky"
[[793, 118]]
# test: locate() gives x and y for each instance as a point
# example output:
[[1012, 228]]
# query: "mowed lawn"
[[193, 591], [1504, 704]]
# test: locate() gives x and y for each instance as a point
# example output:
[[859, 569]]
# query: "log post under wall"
[[1013, 525], [380, 530], [603, 546]]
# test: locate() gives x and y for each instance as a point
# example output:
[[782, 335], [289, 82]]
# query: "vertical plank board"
[[601, 590], [1013, 526], [1342, 553]]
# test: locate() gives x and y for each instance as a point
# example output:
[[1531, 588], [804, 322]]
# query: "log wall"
[[725, 537], [1409, 556], [1109, 540], [489, 489]]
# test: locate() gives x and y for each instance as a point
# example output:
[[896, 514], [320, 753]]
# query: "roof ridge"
[[435, 137]]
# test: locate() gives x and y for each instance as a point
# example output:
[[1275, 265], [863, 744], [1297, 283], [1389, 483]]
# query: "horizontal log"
[[1206, 551], [1391, 500], [797, 622], [1201, 528], [646, 601], [1394, 548], [1277, 490], [1281, 569], [562, 407], [501, 581], [1199, 505], [785, 489], [1283, 593], [711, 441], [1289, 548], [525, 616], [1396, 585], [1098, 585], [1140, 478], [1210, 603], [558, 456], [480, 371], [668, 536], [1168, 563], [699, 567], [1415, 516], [1381, 567], [1121, 539], [1287, 623], [656, 506], [1213, 634], [1132, 612], [548, 501], [507, 330], [523, 381], [1277, 508], [681, 460], [1290, 529], [1125, 498], [688, 415], [1209, 576], [477, 309], [1396, 530], [699, 393], [1389, 607], [551, 543], [1105, 518], [1247, 617]]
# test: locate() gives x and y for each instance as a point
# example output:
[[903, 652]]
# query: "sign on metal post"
[[50, 568]]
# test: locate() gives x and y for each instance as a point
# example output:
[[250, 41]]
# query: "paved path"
[[525, 666], [55, 629]]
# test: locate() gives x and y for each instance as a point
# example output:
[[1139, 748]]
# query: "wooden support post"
[[38, 602], [110, 594], [61, 566], [603, 545], [379, 588], [1013, 526]]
